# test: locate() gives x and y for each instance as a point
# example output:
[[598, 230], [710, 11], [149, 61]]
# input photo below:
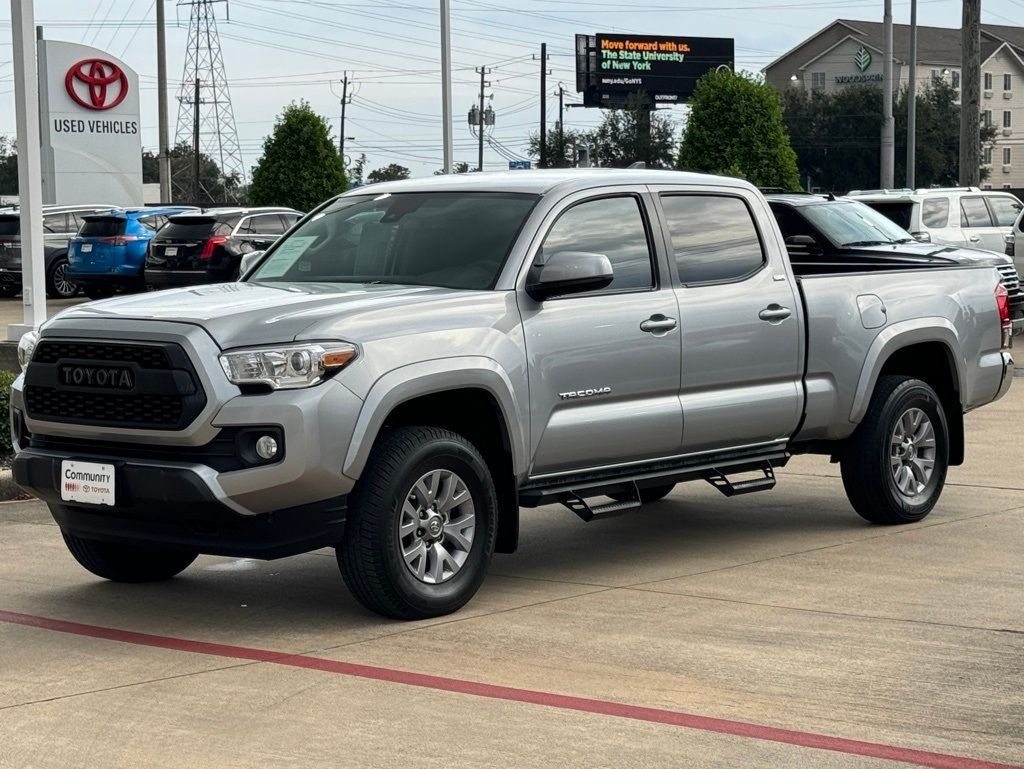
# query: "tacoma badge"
[[584, 393]]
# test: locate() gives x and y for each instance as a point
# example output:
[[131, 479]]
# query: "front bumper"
[[175, 507]]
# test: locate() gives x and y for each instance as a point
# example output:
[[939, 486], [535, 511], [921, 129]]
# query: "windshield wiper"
[[868, 243], [905, 240]]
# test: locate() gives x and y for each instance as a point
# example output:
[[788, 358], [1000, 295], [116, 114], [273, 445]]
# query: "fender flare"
[[425, 378], [894, 338]]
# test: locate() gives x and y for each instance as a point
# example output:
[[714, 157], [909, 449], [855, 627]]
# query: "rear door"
[[603, 379], [739, 320], [1004, 209], [977, 223], [179, 244]]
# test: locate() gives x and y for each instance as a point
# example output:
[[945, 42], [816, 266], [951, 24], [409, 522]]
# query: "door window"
[[974, 213], [713, 237], [55, 223], [935, 212], [610, 226], [268, 224], [1004, 209]]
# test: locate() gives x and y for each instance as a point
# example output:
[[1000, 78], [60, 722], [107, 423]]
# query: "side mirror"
[[922, 237], [804, 242], [569, 272], [248, 262]]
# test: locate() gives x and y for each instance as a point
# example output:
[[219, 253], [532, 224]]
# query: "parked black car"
[[207, 247], [836, 234], [60, 223]]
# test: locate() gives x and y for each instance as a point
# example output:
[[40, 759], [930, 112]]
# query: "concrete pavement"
[[782, 610]]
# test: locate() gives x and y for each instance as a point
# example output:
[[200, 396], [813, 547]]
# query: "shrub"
[[6, 380]]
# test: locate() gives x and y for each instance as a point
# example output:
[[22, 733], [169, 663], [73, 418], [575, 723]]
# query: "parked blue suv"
[[109, 252]]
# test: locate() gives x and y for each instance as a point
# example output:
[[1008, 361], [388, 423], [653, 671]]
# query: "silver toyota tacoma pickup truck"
[[415, 361]]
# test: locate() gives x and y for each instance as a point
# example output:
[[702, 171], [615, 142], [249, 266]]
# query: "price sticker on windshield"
[[284, 257]]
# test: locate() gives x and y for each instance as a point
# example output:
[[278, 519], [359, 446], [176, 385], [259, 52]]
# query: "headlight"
[[27, 346], [286, 367]]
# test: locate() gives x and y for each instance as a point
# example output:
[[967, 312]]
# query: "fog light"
[[266, 447]]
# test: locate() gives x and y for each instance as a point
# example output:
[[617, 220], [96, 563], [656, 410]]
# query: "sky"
[[277, 51]]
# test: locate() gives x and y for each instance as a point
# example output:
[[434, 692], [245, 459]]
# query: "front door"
[[604, 366], [738, 322]]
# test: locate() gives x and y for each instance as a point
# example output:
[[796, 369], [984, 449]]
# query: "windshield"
[[192, 228], [447, 239], [102, 227], [855, 224]]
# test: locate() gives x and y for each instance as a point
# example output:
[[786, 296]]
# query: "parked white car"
[[956, 216]]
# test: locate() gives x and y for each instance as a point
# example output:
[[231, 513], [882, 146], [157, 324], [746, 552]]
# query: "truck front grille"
[[1011, 281], [140, 386]]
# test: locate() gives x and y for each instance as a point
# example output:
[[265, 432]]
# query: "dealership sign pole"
[[30, 192]]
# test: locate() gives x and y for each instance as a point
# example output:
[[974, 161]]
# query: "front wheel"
[[421, 525], [127, 563], [58, 285], [894, 466]]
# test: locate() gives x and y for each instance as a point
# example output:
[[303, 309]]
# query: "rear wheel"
[[648, 495], [127, 563], [6, 292], [58, 285], [894, 466], [421, 525]]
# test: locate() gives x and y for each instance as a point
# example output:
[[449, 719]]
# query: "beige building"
[[849, 52]]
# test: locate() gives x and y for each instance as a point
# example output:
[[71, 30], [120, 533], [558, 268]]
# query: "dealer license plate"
[[171, 251], [89, 482], [86, 248]]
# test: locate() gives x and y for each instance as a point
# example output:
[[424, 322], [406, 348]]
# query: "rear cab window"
[[713, 237]]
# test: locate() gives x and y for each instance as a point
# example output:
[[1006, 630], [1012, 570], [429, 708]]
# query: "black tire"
[[127, 563], [648, 495], [57, 286], [370, 555], [99, 292], [868, 474], [6, 292]]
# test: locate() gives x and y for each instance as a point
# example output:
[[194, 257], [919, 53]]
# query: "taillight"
[[1003, 305], [118, 240], [210, 244]]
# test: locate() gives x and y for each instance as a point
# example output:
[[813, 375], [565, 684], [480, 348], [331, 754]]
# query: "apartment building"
[[850, 52]]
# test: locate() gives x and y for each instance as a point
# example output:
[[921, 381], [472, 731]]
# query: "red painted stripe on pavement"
[[493, 691]]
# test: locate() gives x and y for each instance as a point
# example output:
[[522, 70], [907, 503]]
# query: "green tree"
[[735, 126], [634, 134], [560, 154], [8, 167], [388, 173], [458, 167], [837, 136], [300, 166], [150, 167], [214, 186], [355, 176]]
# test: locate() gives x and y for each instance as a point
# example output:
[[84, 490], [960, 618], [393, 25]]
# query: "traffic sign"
[[519, 165]]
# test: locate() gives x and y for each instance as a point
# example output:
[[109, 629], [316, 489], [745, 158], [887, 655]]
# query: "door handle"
[[973, 238], [658, 324], [775, 313]]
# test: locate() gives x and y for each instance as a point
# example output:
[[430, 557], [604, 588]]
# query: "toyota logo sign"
[[96, 84]]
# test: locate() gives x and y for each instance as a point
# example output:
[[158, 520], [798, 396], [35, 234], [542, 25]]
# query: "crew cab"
[[416, 361]]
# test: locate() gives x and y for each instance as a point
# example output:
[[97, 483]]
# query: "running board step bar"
[[589, 512], [720, 481]]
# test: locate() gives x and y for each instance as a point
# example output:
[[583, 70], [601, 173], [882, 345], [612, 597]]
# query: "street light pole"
[[888, 124], [163, 157], [446, 84], [912, 100], [30, 188]]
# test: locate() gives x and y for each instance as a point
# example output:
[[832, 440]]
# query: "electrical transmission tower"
[[206, 122]]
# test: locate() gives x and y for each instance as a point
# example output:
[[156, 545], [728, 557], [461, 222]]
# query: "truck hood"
[[245, 314], [930, 253]]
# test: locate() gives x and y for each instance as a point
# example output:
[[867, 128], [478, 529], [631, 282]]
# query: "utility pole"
[[888, 124], [481, 117], [561, 125], [970, 84], [543, 159], [341, 131], [195, 144], [163, 154], [446, 84], [912, 101]]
